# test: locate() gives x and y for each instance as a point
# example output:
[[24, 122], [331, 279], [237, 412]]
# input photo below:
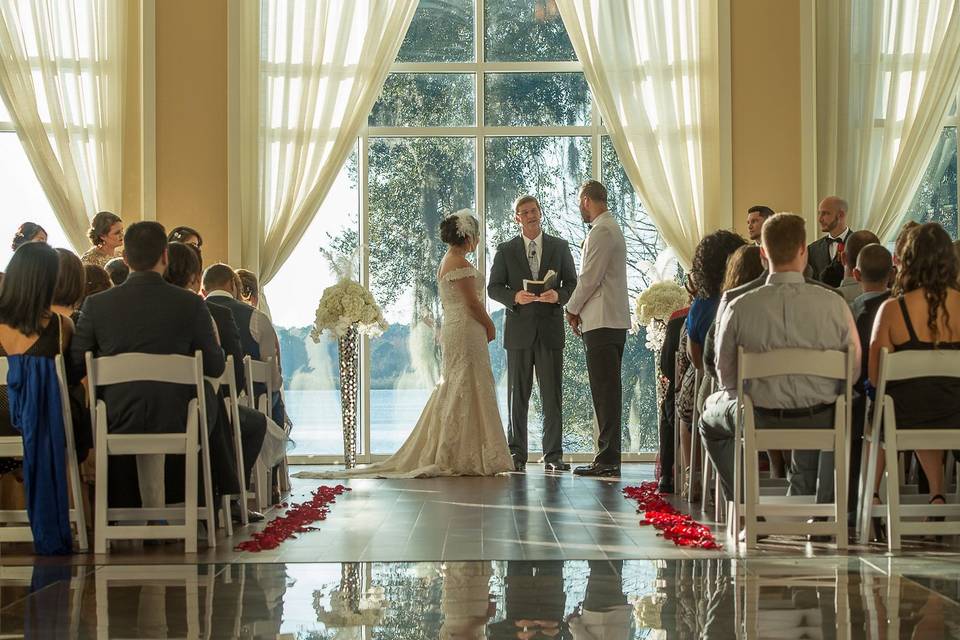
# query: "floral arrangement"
[[346, 304], [654, 306]]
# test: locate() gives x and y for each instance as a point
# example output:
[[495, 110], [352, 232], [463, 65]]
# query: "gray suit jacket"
[[523, 323]]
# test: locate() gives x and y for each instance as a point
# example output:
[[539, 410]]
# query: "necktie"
[[533, 259]]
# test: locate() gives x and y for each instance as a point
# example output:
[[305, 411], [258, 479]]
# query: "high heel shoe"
[[942, 501], [879, 531]]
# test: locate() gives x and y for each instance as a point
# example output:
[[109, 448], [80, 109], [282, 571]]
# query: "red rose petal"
[[297, 519], [677, 527]]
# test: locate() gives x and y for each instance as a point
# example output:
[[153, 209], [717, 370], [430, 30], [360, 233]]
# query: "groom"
[[533, 332]]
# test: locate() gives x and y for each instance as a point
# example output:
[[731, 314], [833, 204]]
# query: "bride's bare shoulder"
[[453, 264]]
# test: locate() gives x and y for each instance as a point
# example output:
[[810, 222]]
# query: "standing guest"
[[106, 236], [599, 311], [850, 287], [118, 271], [70, 284], [925, 316], [756, 216], [28, 232], [249, 291], [533, 328], [824, 254]]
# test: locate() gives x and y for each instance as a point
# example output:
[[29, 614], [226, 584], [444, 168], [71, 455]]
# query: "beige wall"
[[191, 113], [131, 209], [765, 104], [191, 119]]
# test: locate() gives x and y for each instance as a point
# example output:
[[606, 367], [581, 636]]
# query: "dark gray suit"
[[818, 254], [533, 336]]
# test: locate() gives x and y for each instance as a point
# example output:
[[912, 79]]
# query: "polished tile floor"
[[623, 599]]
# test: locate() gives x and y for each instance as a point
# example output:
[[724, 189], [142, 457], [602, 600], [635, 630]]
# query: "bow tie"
[[835, 240]]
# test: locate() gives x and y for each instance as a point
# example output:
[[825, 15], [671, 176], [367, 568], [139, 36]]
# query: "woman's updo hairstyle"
[[459, 227]]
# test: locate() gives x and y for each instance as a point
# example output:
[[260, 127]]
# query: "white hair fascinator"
[[466, 224]]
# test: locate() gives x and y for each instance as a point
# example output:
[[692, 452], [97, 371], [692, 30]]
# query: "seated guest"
[[849, 287], [186, 235], [667, 409], [249, 288], [118, 271], [28, 325], [96, 279], [106, 236], [925, 316], [257, 335], [784, 313], [70, 283], [184, 271], [28, 232], [149, 315]]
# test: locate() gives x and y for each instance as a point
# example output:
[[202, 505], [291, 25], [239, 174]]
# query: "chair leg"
[[227, 519], [868, 472], [100, 508], [840, 489], [893, 491], [705, 470]]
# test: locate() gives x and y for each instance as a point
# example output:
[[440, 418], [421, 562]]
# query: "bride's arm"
[[468, 290]]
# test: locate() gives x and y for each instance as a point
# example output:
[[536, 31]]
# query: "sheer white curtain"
[[654, 70], [62, 79], [887, 72], [312, 71]]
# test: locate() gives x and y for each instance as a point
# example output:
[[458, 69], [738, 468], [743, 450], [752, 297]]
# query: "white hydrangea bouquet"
[[659, 301], [347, 304]]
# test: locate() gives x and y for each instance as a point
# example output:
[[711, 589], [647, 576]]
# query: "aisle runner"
[[681, 529], [297, 519]]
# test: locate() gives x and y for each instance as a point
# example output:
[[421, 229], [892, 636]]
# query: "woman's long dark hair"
[[27, 232], [927, 262], [182, 264], [710, 261], [27, 290], [743, 266]]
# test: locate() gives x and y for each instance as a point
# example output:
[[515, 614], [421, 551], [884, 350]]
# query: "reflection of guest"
[[533, 332], [604, 613], [465, 602], [534, 601]]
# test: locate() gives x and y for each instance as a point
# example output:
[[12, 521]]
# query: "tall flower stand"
[[349, 350]]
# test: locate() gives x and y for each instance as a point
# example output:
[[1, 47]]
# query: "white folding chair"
[[261, 372], [837, 365], [12, 447], [695, 442], [678, 473], [229, 380], [142, 367], [893, 367]]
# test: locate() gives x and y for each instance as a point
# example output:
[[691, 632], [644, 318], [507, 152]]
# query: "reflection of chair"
[[160, 577], [836, 365], [134, 367], [12, 446], [261, 373], [893, 367], [25, 577], [229, 380]]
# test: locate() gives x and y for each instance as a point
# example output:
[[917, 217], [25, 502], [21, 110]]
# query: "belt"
[[802, 412]]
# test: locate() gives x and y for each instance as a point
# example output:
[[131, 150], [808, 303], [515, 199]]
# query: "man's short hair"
[[874, 262], [118, 271], [144, 244], [764, 211], [856, 241], [782, 236], [524, 199], [594, 190], [218, 276]]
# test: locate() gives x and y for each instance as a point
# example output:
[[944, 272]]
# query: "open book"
[[537, 287]]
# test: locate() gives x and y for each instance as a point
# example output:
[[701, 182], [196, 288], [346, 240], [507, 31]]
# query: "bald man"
[[832, 217]]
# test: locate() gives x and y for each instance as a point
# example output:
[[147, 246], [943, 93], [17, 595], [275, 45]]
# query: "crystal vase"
[[349, 349]]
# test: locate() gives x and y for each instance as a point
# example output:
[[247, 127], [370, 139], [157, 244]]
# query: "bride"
[[459, 432]]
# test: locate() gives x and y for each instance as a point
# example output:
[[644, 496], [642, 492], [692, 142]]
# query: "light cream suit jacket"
[[600, 298]]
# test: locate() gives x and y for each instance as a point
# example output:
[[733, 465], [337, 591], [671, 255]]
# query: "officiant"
[[533, 276]]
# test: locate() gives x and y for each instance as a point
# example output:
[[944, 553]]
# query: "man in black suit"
[[149, 315], [823, 255], [533, 331]]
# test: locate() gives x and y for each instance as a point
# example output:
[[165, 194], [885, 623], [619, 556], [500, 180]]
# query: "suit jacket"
[[146, 315], [601, 298], [865, 329], [523, 323], [818, 254], [229, 340]]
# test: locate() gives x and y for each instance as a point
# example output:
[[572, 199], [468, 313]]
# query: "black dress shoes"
[[556, 465], [518, 465], [599, 470], [666, 484]]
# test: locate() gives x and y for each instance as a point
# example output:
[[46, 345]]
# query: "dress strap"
[[906, 320], [458, 274]]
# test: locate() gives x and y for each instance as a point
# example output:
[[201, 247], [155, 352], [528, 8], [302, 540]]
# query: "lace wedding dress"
[[460, 432]]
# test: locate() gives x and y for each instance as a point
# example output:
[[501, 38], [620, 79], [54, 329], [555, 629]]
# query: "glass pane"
[[536, 99], [643, 246], [311, 370], [441, 31], [525, 30], [413, 184], [550, 168], [936, 199], [23, 198], [426, 100]]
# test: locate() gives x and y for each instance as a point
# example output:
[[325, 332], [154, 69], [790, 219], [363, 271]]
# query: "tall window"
[[486, 101], [937, 198]]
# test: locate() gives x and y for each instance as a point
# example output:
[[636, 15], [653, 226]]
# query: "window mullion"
[[479, 153]]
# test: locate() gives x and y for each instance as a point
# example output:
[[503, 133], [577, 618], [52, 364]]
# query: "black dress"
[[926, 402]]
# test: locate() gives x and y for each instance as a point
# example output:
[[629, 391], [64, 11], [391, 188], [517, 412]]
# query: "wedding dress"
[[460, 432]]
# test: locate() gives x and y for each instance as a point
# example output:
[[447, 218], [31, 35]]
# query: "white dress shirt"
[[601, 298], [785, 313], [842, 238]]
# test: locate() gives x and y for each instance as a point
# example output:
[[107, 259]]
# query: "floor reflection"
[[633, 599]]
